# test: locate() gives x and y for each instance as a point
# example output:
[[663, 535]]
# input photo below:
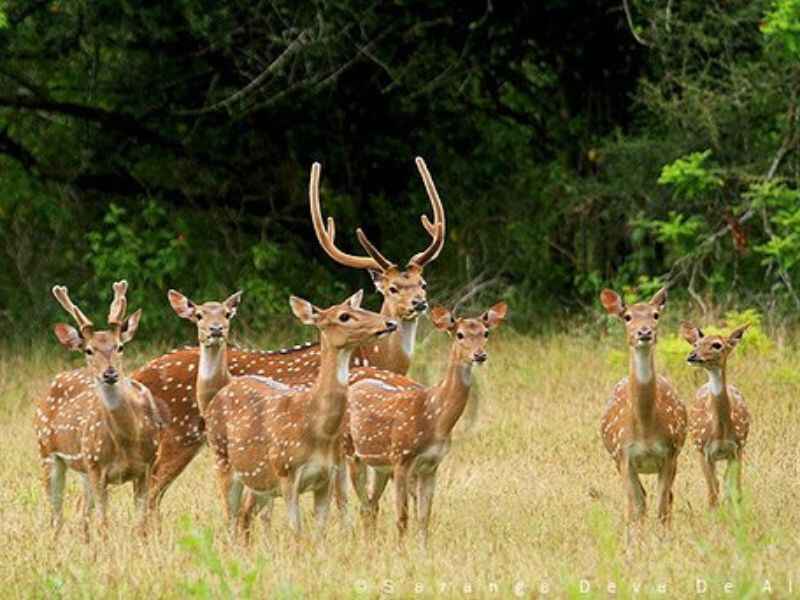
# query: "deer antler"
[[435, 229], [327, 235], [61, 294], [116, 314]]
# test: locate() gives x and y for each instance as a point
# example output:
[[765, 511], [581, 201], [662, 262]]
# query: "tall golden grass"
[[527, 502]]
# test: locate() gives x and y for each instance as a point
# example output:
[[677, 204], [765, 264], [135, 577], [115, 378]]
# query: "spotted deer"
[[644, 423], [274, 440], [718, 420], [95, 420], [402, 429], [171, 377]]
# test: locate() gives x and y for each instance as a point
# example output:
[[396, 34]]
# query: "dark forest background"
[[575, 145]]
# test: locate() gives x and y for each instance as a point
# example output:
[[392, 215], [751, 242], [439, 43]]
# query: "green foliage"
[[145, 246], [222, 577], [782, 204], [690, 177], [782, 25]]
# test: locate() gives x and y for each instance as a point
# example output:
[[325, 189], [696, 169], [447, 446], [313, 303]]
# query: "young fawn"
[[718, 420], [402, 429], [273, 440], [644, 424], [171, 377], [95, 420]]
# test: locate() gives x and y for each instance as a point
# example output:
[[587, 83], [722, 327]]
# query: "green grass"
[[527, 500]]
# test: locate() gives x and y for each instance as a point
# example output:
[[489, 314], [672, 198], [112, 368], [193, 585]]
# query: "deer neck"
[[329, 394], [118, 409], [449, 398], [212, 373], [393, 352], [642, 381], [720, 405]]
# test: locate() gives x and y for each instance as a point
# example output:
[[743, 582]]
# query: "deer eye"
[[655, 316], [486, 334], [627, 318], [716, 346], [228, 315], [120, 348], [344, 318], [198, 316], [89, 351], [424, 286], [392, 289], [460, 335]]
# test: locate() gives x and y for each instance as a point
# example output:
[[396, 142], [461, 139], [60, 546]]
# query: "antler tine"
[[326, 236], [385, 264], [119, 305], [436, 229], [61, 294]]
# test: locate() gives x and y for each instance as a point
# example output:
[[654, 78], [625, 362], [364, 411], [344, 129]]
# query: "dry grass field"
[[528, 502]]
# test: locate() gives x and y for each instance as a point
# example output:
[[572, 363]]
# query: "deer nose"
[[693, 358], [645, 333], [215, 330], [480, 357], [419, 305], [110, 376]]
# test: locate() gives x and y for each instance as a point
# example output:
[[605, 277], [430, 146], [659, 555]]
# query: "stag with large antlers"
[[644, 424], [95, 420], [172, 377], [718, 420], [402, 429], [280, 441]]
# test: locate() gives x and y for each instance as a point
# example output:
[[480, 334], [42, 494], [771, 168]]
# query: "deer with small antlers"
[[171, 377], [402, 429], [718, 421], [278, 441], [644, 424], [95, 420]]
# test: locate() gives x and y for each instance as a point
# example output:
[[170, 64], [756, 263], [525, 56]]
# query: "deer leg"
[[55, 475], [401, 498], [322, 502], [340, 493], [99, 485], [291, 495], [140, 501], [87, 506], [666, 478], [709, 471], [635, 498], [170, 462], [733, 481], [233, 502], [426, 485], [250, 509]]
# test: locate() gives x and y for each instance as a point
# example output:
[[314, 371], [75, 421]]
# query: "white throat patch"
[[715, 381], [210, 360], [343, 366], [408, 336], [642, 365], [466, 374], [111, 395]]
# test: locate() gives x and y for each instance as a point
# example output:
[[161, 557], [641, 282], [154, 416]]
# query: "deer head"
[[403, 289], [345, 325], [469, 335], [103, 349], [213, 319], [640, 320], [710, 351]]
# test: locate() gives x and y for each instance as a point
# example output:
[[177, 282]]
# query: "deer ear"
[[660, 299], [690, 333], [736, 335], [182, 306], [129, 327], [232, 303], [355, 300], [69, 337], [441, 318], [304, 310], [377, 278], [495, 315], [612, 302]]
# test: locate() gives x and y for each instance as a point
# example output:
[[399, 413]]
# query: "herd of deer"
[[281, 423]]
